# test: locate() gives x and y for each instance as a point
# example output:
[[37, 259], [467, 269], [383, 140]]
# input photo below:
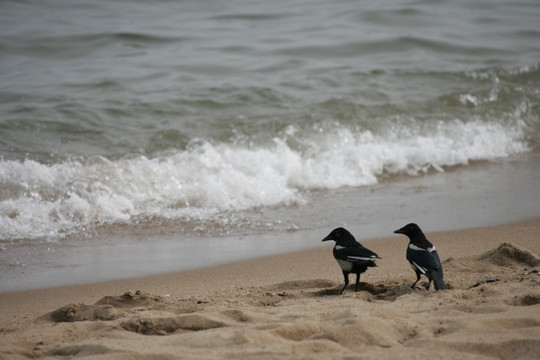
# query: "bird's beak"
[[399, 231], [327, 238]]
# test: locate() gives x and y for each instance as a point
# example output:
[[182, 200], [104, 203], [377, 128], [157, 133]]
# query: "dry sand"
[[288, 307]]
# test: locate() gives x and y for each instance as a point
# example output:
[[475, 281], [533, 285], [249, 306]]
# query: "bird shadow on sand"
[[369, 291], [323, 288]]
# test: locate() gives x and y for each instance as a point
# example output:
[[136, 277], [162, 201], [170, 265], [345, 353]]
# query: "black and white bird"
[[423, 257], [351, 256]]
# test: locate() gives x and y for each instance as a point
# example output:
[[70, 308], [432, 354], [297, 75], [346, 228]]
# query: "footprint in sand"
[[169, 325]]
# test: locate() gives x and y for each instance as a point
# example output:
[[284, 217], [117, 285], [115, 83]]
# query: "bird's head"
[[340, 236], [411, 230]]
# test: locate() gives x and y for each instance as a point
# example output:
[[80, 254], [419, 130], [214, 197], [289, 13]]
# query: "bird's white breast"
[[345, 265]]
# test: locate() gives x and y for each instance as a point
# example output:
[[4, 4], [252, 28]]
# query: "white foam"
[[468, 100], [50, 201]]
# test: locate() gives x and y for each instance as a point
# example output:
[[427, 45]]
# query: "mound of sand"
[[107, 309], [509, 255], [82, 312], [131, 300]]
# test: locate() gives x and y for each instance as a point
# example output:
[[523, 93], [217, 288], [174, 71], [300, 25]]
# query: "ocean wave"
[[209, 178], [68, 45]]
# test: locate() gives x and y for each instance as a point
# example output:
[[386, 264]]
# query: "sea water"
[[197, 122]]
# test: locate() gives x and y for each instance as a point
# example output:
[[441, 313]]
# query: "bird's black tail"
[[438, 281]]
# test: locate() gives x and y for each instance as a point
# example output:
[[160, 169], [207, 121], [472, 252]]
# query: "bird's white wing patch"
[[356, 258], [422, 269]]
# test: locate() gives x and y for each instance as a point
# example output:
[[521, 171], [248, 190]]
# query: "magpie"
[[351, 256], [423, 257]]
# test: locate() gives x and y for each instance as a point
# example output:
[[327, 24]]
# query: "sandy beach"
[[169, 169], [288, 307]]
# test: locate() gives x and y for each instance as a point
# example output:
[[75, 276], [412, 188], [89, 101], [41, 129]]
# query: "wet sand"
[[287, 306]]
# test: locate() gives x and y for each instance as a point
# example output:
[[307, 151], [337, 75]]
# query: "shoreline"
[[316, 262]]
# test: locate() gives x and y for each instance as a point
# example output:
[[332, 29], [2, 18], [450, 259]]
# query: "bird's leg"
[[428, 284], [417, 280], [346, 276], [357, 280]]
